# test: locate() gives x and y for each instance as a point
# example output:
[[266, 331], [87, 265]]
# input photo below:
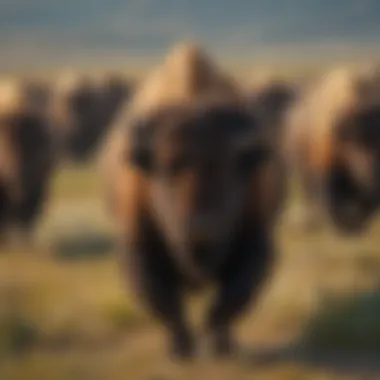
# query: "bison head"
[[199, 161], [354, 181]]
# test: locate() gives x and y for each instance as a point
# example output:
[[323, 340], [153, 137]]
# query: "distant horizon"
[[49, 35], [283, 58]]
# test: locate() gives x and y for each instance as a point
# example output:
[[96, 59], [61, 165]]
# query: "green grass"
[[67, 314], [62, 303]]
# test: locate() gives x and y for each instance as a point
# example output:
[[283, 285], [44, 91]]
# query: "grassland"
[[66, 314]]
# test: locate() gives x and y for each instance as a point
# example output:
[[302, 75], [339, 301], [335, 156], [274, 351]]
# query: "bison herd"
[[196, 171], [42, 124]]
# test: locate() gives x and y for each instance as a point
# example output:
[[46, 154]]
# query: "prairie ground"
[[66, 314]]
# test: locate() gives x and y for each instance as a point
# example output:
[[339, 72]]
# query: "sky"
[[44, 33]]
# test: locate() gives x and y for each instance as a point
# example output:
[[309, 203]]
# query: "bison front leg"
[[239, 283], [28, 211], [4, 216], [157, 285]]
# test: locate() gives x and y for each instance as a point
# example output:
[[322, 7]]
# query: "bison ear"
[[141, 153]]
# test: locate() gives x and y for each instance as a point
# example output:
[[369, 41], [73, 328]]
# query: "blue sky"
[[55, 32]]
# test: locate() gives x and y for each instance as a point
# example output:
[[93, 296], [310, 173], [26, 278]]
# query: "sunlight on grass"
[[76, 182], [70, 316]]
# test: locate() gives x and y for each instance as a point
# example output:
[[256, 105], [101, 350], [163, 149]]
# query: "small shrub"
[[349, 324], [82, 245], [17, 333]]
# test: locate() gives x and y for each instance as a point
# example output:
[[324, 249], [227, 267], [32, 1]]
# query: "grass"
[[17, 333], [349, 324], [63, 304], [76, 182], [82, 244], [63, 316]]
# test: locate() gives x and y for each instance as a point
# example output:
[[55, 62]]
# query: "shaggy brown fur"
[[85, 108], [189, 189], [272, 99], [26, 158]]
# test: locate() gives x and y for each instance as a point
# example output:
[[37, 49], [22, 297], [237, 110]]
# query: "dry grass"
[[72, 319]]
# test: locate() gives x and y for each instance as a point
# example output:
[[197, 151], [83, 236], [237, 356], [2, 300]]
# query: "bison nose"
[[201, 230]]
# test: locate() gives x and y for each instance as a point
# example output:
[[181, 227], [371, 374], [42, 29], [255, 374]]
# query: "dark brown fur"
[[28, 136], [113, 94], [332, 147], [90, 111], [272, 101], [39, 93], [357, 137], [195, 202]]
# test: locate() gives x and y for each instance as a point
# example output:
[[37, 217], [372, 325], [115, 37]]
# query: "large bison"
[[84, 108], [27, 155], [334, 142], [191, 188]]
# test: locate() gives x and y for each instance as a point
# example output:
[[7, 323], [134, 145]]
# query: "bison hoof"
[[182, 347], [223, 345]]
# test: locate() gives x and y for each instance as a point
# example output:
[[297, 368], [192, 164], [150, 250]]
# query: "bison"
[[272, 99], [333, 142], [84, 108], [27, 156], [191, 186]]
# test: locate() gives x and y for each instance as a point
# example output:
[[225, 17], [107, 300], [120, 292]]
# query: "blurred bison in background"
[[271, 99], [191, 187], [84, 108], [39, 92], [334, 143], [113, 92], [26, 154]]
